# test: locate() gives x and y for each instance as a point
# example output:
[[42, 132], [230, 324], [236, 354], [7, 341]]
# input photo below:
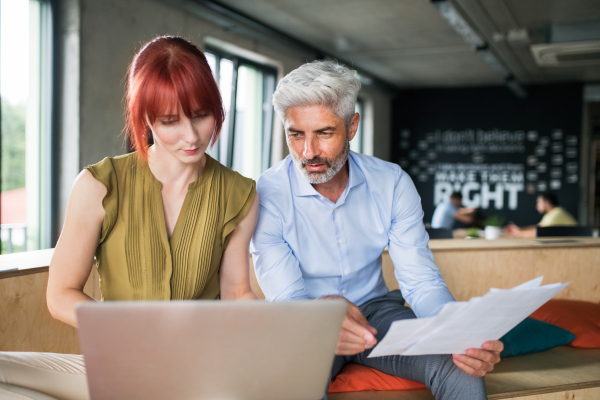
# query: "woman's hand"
[[235, 264], [74, 254]]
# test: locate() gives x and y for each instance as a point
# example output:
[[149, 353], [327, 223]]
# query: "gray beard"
[[334, 165]]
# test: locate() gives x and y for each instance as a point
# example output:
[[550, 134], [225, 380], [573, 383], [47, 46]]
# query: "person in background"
[[166, 222], [451, 210], [546, 204], [325, 216]]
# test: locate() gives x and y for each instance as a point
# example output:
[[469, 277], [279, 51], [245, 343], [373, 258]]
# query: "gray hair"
[[325, 83]]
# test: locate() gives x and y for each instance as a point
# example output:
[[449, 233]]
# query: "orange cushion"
[[355, 377], [581, 318]]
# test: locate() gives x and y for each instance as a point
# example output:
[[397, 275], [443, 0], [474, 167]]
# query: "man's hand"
[[465, 215], [356, 335], [466, 210], [478, 362], [511, 230]]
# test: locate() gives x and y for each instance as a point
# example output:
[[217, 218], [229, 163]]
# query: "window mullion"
[[267, 116], [232, 113], [217, 147]]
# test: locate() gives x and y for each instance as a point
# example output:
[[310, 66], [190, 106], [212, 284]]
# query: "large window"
[[247, 88], [25, 78]]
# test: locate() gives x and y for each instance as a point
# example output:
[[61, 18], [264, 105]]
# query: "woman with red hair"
[[165, 222]]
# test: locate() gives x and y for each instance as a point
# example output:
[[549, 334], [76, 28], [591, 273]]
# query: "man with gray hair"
[[325, 216]]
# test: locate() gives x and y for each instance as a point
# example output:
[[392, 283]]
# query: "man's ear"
[[353, 126]]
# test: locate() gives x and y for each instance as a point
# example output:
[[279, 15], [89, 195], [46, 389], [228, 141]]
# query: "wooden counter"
[[512, 243], [471, 267], [25, 322]]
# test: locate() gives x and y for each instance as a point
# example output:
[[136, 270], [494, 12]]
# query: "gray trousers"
[[438, 372]]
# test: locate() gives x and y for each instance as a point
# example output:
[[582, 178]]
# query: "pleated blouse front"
[[136, 260]]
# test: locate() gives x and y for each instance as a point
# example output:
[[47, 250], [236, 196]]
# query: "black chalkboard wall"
[[497, 149]]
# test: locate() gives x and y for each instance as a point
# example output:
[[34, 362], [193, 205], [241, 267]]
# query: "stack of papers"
[[466, 324]]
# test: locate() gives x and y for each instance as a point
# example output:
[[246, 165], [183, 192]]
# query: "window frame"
[[270, 75], [358, 139], [40, 161]]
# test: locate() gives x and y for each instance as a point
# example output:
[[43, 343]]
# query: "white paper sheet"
[[463, 325]]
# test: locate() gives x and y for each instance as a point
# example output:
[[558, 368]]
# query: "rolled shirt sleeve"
[[418, 277]]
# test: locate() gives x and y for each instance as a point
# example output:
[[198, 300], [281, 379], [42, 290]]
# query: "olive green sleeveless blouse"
[[135, 258]]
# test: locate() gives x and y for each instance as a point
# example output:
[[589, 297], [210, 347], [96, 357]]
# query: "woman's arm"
[[235, 264], [511, 230], [72, 261]]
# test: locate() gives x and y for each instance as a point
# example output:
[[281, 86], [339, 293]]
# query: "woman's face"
[[184, 138]]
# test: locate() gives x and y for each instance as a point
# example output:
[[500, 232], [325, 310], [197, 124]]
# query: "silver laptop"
[[214, 350]]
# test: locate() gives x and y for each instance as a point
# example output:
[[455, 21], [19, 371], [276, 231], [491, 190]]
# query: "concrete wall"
[[113, 30]]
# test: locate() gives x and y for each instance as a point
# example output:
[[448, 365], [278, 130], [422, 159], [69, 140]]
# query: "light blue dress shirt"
[[443, 216], [305, 246]]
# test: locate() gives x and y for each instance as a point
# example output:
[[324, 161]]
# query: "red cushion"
[[354, 378], [581, 318]]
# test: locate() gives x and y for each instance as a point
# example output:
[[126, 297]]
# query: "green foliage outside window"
[[13, 146]]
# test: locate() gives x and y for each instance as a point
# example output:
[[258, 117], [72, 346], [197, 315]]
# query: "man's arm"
[[418, 276], [465, 215], [512, 230], [279, 276], [277, 269]]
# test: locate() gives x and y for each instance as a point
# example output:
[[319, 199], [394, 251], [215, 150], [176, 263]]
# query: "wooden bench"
[[471, 268], [561, 373]]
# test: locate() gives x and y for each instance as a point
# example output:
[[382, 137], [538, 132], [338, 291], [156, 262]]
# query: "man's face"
[[456, 202], [541, 205], [318, 141]]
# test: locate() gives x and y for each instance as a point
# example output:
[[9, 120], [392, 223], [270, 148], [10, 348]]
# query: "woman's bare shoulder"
[[87, 194], [86, 182]]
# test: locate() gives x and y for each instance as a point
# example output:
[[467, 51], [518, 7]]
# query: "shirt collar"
[[356, 176], [303, 188]]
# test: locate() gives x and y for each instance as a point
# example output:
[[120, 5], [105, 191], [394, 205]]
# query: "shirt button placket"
[[342, 259]]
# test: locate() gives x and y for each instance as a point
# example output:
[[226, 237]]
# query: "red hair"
[[169, 74]]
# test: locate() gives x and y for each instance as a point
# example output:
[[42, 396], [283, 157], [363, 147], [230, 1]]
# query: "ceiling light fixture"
[[458, 23], [491, 60], [469, 35]]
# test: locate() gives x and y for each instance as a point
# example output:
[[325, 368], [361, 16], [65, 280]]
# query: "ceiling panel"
[[436, 69], [535, 14], [373, 24], [446, 71], [408, 43]]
